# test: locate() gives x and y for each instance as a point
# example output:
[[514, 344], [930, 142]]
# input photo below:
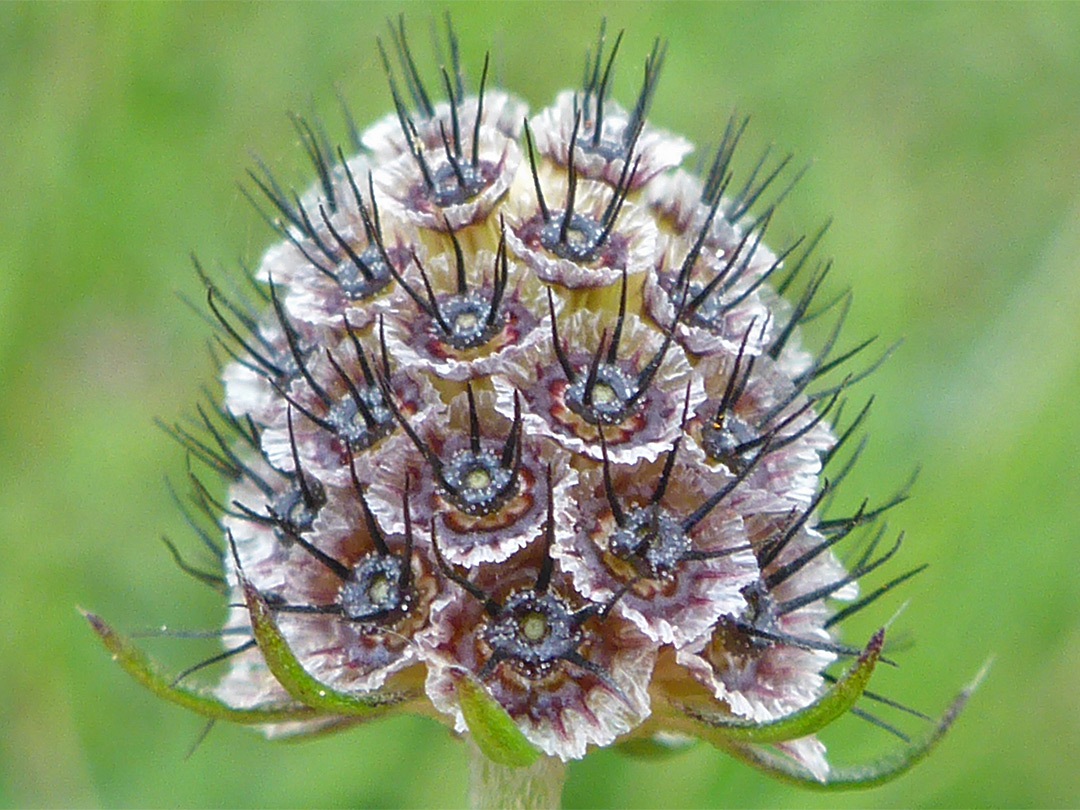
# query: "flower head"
[[519, 420]]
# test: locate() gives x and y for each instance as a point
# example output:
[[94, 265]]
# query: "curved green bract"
[[653, 749], [288, 671], [859, 777], [493, 730], [330, 725], [836, 701], [144, 670]]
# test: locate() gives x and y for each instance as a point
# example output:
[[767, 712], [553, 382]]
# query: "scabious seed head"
[[516, 402]]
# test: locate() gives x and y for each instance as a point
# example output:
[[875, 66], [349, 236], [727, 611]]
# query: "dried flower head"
[[519, 431]]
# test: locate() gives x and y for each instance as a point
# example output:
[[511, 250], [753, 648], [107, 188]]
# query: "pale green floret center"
[[379, 590], [478, 479], [466, 322], [603, 394], [534, 626]]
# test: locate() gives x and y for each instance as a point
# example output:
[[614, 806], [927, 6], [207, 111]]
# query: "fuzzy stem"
[[536, 787]]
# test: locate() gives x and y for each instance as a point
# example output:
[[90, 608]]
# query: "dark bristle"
[[455, 124], [692, 255], [427, 306], [213, 659], [455, 54], [354, 393], [875, 594], [268, 185], [775, 434], [334, 566], [798, 311], [384, 352], [408, 68], [428, 454], [848, 466], [369, 517], [618, 198], [259, 357], [728, 306], [361, 355], [492, 607], [405, 581], [864, 515], [348, 250], [310, 499], [474, 420], [811, 246], [616, 335], [858, 376], [749, 194], [877, 721], [408, 128], [827, 307], [432, 307], [788, 570], [699, 514], [314, 146], [294, 347], [351, 128], [649, 371], [868, 549], [836, 648], [459, 262], [726, 277], [820, 365], [452, 157], [307, 412], [601, 91], [653, 63], [556, 343], [547, 566], [755, 193], [369, 230], [723, 274], [211, 544], [592, 65], [609, 488], [479, 113], [200, 450], [829, 454], [719, 175], [736, 385], [312, 610], [244, 311], [877, 697], [501, 276], [214, 581], [825, 368], [864, 567], [665, 474], [535, 175], [594, 368], [223, 444], [773, 548], [571, 182], [512, 446], [312, 234]]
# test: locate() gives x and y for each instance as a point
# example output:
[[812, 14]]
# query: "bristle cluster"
[[518, 401]]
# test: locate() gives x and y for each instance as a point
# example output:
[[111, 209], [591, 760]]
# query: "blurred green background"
[[946, 141]]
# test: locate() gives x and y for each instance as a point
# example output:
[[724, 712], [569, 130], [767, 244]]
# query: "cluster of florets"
[[516, 403]]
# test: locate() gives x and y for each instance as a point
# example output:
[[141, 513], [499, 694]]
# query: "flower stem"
[[535, 787]]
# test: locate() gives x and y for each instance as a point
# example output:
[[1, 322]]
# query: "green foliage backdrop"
[[945, 140]]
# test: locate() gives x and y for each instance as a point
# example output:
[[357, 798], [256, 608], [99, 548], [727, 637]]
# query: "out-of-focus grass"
[[946, 146]]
